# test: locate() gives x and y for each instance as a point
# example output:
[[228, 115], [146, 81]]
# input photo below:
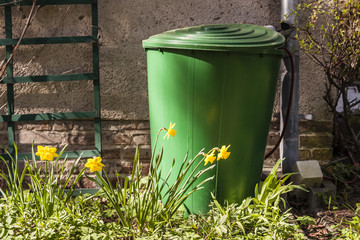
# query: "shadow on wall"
[[124, 24], [53, 97]]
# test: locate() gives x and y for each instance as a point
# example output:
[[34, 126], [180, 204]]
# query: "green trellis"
[[10, 80]]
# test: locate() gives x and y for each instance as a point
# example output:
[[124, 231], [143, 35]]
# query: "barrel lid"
[[218, 37]]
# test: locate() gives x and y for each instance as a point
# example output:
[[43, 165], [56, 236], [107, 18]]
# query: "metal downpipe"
[[289, 147]]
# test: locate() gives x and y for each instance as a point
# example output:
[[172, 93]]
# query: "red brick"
[[141, 140], [83, 125], [115, 125], [86, 183], [49, 138], [121, 139], [144, 125], [110, 125], [128, 125], [126, 167], [3, 126], [304, 154], [4, 138], [273, 138], [275, 125], [33, 126], [111, 153], [78, 168], [275, 155], [110, 138], [62, 126], [137, 132], [80, 138], [322, 154], [129, 152], [145, 167], [315, 141], [311, 126]]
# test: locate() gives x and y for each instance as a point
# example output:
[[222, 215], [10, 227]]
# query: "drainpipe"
[[289, 147]]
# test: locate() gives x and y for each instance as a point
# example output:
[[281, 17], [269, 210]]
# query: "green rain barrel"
[[218, 84]]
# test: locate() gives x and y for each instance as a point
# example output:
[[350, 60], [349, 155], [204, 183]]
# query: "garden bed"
[[38, 202]]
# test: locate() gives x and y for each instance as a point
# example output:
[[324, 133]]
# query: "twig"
[[9, 3], [4, 105], [69, 71], [4, 66]]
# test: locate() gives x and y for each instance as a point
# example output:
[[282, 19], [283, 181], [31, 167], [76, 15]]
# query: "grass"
[[98, 217], [35, 205]]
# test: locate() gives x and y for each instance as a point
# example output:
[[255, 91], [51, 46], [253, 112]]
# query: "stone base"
[[318, 196], [307, 173]]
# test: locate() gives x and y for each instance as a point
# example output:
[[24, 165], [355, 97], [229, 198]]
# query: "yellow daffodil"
[[94, 164], [170, 131], [46, 153], [223, 154], [210, 157]]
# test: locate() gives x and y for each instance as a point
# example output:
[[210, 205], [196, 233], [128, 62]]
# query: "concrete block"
[[330, 187], [298, 196], [308, 173], [320, 195]]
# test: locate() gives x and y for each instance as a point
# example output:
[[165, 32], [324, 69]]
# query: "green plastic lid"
[[218, 37]]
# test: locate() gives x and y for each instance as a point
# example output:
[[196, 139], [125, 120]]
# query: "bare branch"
[[31, 14], [10, 3]]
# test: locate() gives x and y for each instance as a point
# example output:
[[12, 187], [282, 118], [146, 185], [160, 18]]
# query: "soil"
[[335, 211]]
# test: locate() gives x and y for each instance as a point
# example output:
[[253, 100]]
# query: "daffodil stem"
[[154, 148]]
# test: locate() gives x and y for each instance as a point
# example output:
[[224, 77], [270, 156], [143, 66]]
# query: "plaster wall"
[[123, 26]]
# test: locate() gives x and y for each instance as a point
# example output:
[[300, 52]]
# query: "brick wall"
[[120, 139], [315, 140], [274, 134]]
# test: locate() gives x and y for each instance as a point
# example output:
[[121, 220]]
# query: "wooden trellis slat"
[[46, 2], [48, 116], [10, 80], [50, 78], [48, 40]]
